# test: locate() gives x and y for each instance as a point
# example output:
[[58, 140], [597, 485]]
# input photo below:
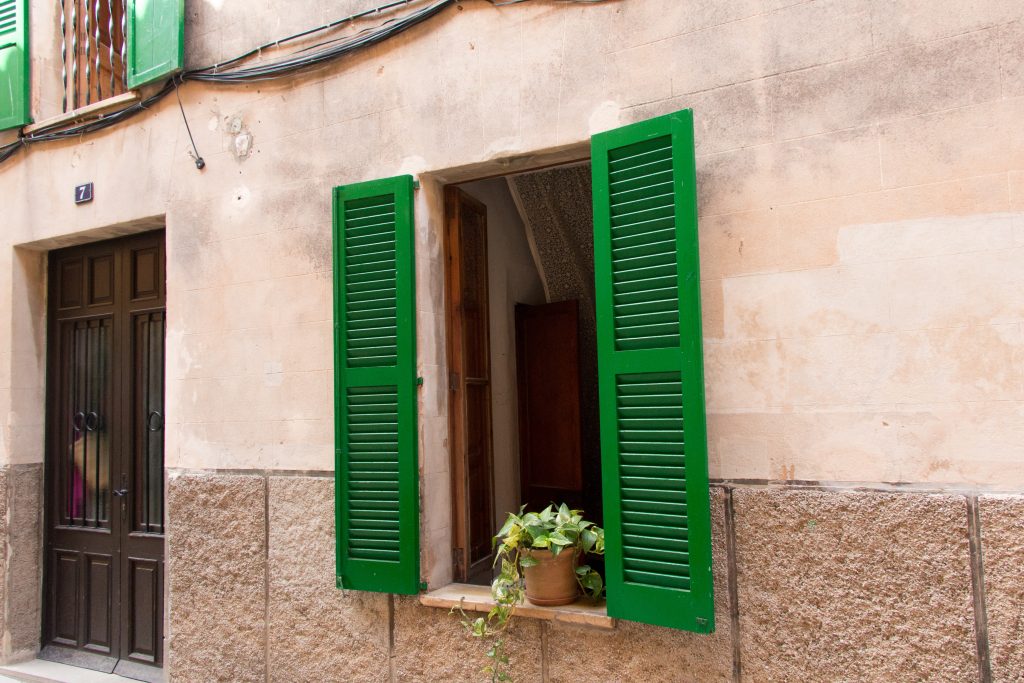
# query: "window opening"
[[533, 436], [92, 51]]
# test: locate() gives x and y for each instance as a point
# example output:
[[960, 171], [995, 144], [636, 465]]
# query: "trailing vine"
[[561, 530]]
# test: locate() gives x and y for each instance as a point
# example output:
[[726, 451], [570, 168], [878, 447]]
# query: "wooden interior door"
[[469, 363], [547, 365], [105, 457]]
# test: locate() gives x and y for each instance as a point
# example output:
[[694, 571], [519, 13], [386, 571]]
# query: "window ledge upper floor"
[[88, 112], [478, 599]]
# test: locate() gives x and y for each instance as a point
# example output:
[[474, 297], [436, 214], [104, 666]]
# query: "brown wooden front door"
[[469, 361], [105, 455]]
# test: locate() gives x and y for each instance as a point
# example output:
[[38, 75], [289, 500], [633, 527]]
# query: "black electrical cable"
[[286, 66], [200, 164], [226, 72]]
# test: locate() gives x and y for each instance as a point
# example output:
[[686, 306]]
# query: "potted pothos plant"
[[539, 554]]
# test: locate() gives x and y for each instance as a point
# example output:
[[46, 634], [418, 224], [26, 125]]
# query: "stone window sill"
[[478, 599], [90, 111]]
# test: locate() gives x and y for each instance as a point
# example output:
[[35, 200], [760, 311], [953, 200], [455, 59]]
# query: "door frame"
[[119, 638]]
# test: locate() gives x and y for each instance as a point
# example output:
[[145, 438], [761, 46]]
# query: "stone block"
[[975, 442], [969, 288], [810, 232], [639, 652], [1002, 550], [725, 118], [743, 375], [24, 572], [901, 22], [1017, 201], [317, 632], [913, 239], [921, 367], [809, 33], [712, 320], [5, 471], [970, 141], [834, 444], [832, 165], [739, 244], [644, 22], [817, 302], [850, 94], [641, 73], [431, 645], [216, 566], [794, 37], [854, 586], [1011, 60], [969, 442]]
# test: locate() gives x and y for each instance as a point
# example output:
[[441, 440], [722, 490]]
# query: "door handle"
[[120, 493]]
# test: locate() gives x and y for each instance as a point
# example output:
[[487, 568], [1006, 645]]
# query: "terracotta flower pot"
[[552, 581]]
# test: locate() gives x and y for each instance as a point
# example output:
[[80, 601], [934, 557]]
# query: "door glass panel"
[[85, 468], [149, 421]]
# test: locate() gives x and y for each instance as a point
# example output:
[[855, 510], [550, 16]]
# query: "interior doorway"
[[103, 586], [521, 349]]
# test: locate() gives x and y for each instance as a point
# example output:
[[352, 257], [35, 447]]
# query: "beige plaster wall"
[[861, 183]]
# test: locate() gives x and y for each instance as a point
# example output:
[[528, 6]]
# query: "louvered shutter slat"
[[14, 82], [653, 434], [375, 403]]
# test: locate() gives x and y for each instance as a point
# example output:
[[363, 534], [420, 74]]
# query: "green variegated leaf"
[[564, 515], [558, 538], [507, 526]]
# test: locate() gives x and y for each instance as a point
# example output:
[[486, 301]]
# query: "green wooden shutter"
[[376, 467], [651, 378], [13, 63], [156, 39]]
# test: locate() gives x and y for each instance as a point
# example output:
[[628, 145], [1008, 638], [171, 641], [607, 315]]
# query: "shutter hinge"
[[339, 581], [419, 381], [453, 381], [423, 586], [415, 184]]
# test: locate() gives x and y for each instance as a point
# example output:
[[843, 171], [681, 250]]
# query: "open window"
[[93, 51], [107, 47], [522, 357], [576, 369]]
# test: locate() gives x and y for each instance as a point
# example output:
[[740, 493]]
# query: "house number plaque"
[[83, 193]]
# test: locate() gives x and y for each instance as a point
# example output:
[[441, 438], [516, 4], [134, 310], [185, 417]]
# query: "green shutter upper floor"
[[14, 60]]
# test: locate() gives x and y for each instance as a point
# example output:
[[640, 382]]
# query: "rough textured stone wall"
[[810, 584], [21, 519], [1002, 533], [854, 586]]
